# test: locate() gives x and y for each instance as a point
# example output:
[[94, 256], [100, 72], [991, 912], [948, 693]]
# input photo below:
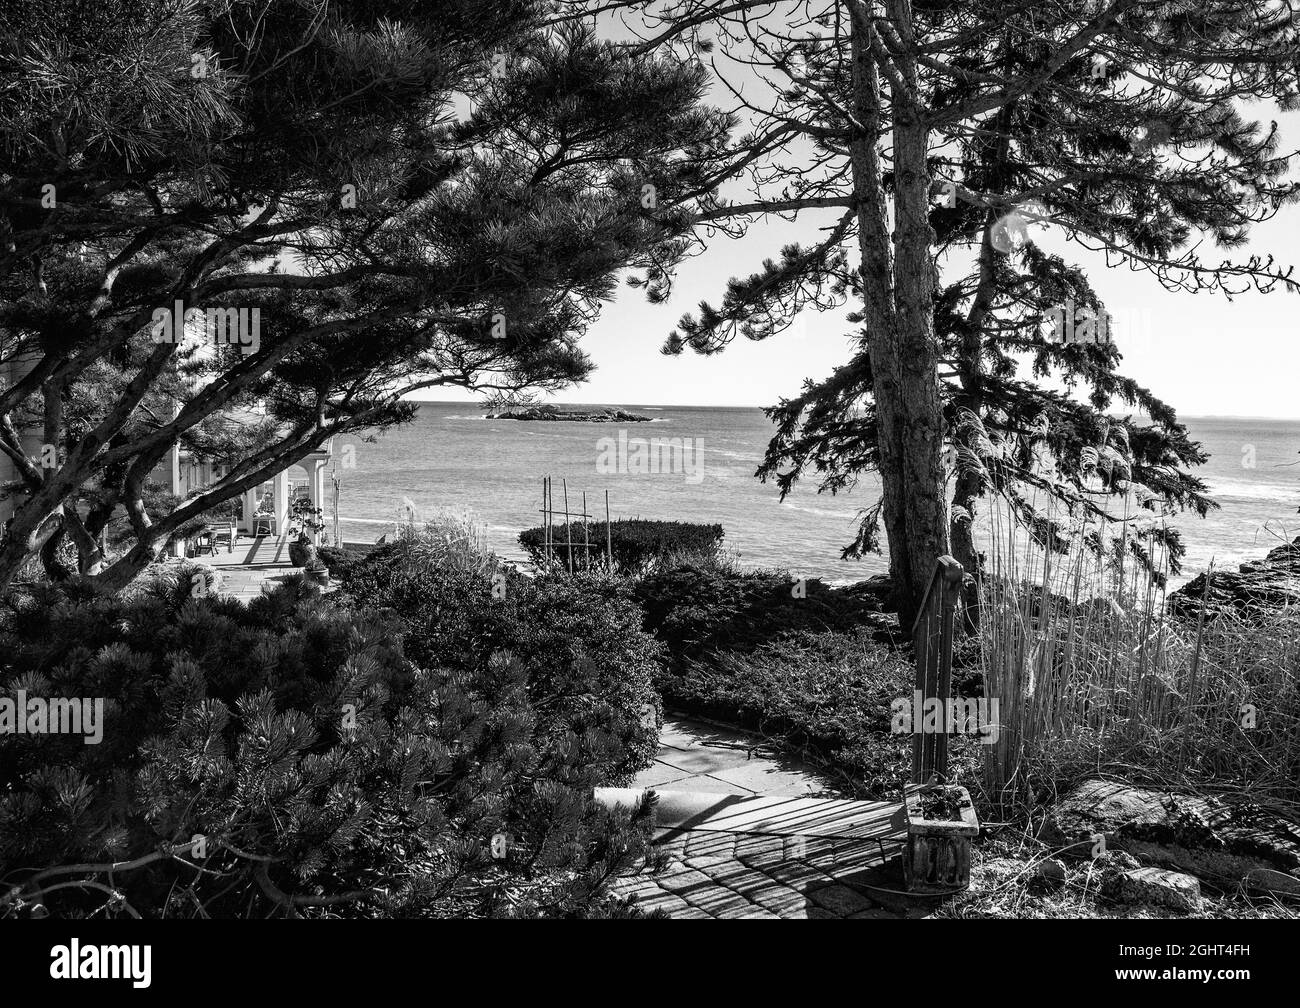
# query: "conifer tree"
[[932, 126], [410, 195]]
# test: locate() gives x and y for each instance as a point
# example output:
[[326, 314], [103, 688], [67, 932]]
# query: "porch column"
[[247, 511], [281, 483], [174, 459], [318, 493]]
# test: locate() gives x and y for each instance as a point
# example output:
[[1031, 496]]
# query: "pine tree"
[[310, 166], [881, 111]]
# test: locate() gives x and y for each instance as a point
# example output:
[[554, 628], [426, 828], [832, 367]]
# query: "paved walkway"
[[744, 832], [694, 756]]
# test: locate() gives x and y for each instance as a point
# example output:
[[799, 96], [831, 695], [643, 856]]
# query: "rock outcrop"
[[1169, 889], [876, 593], [1226, 840], [598, 415], [1259, 585]]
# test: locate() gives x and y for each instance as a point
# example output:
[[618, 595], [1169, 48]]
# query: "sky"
[[1203, 354]]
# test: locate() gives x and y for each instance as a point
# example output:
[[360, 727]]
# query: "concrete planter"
[[936, 858]]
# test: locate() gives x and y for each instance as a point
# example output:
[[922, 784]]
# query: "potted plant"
[[316, 572], [941, 821], [306, 521]]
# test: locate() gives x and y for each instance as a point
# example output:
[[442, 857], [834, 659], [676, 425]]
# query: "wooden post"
[[568, 525], [932, 638], [609, 550], [550, 522], [546, 521], [334, 478], [586, 535]]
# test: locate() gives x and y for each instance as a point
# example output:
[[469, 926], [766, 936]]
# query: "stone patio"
[[743, 831], [252, 565]]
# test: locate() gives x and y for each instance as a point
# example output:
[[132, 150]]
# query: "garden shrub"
[[695, 611], [798, 661], [826, 693], [591, 667], [286, 757], [340, 561], [638, 545]]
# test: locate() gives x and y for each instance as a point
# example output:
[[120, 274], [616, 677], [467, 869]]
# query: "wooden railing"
[[932, 638]]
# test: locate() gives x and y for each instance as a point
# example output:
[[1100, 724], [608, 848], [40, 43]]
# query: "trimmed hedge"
[[638, 544]]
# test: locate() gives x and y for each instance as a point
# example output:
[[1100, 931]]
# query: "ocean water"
[[452, 458]]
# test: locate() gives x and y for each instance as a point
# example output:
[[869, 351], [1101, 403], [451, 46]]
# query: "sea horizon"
[[450, 458], [630, 404]]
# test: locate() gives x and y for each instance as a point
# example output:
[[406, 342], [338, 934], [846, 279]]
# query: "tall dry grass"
[[448, 540], [1095, 676]]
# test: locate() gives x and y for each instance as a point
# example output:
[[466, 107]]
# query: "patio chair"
[[224, 532], [263, 525], [204, 542]]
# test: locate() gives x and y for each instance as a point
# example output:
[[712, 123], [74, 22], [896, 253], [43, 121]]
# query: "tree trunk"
[[122, 571], [16, 548], [918, 346], [55, 569], [879, 322], [898, 312]]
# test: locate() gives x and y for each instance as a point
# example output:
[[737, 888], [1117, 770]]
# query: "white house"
[[265, 510]]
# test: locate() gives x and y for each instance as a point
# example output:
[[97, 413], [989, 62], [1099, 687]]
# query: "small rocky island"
[[596, 415]]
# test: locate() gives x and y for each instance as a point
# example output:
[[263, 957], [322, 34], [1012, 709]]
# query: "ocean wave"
[[820, 512], [1244, 490], [725, 453]]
